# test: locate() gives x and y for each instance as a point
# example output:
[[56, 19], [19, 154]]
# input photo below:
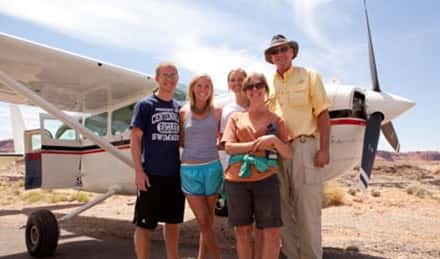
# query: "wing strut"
[[88, 205], [54, 111]]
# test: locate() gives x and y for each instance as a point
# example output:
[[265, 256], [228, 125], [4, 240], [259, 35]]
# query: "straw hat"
[[279, 40]]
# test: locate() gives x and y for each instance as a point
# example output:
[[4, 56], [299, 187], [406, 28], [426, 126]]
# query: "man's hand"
[[322, 158], [142, 181]]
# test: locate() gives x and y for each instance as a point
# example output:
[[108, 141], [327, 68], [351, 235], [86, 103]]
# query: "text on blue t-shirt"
[[159, 122]]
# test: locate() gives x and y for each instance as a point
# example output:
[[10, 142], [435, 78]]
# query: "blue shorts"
[[202, 179]]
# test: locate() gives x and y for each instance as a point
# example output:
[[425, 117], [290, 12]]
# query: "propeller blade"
[[373, 68], [371, 139], [390, 134]]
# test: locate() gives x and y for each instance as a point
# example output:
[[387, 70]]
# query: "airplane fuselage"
[[79, 163]]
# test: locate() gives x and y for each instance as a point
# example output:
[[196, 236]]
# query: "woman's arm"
[[182, 116], [218, 118], [285, 137], [272, 142], [285, 150], [233, 148]]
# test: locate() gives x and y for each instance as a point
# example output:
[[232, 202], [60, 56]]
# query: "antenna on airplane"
[[372, 130]]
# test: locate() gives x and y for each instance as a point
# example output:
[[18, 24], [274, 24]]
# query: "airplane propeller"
[[387, 129], [372, 59], [390, 135], [371, 139], [373, 127]]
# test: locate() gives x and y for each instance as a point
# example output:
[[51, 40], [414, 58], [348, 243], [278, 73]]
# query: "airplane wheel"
[[42, 233]]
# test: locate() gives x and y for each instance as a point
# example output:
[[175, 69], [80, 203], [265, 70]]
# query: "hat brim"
[[292, 44]]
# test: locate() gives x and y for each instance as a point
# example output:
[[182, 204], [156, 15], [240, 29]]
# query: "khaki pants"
[[301, 198]]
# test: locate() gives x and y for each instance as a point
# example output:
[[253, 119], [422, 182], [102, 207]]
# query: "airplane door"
[[60, 154], [32, 151]]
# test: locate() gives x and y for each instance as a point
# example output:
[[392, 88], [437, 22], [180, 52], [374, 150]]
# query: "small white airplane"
[[92, 152]]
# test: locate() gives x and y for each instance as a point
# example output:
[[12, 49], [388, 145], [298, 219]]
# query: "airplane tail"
[[18, 127]]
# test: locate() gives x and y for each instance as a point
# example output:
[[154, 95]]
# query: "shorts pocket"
[[191, 182], [213, 180]]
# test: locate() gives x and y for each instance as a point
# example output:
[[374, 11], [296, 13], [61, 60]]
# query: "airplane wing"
[[69, 81]]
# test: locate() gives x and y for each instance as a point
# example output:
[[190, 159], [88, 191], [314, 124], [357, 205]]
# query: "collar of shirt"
[[285, 74]]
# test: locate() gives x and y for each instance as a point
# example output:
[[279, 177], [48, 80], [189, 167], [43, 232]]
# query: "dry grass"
[[333, 195], [352, 191], [83, 197], [58, 197], [50, 196], [418, 191], [32, 197], [12, 188], [375, 193]]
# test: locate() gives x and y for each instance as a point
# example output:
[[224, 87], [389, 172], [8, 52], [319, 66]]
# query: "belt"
[[303, 138]]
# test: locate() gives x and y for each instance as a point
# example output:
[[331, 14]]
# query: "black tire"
[[42, 233]]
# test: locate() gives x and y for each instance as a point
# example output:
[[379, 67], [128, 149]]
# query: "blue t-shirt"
[[159, 122]]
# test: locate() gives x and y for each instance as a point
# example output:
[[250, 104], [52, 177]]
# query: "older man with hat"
[[298, 96]]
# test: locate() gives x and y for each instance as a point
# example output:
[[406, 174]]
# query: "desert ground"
[[399, 216]]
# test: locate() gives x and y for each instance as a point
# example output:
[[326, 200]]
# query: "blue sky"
[[200, 36]]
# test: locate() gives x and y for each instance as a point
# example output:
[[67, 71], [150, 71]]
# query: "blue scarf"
[[260, 163]]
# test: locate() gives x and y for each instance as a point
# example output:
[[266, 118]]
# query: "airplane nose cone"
[[389, 104]]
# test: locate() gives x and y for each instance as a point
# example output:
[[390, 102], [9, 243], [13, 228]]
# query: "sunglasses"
[[168, 76], [259, 85], [282, 49]]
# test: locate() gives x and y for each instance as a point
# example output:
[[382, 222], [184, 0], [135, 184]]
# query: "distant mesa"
[[7, 146], [384, 155], [408, 156]]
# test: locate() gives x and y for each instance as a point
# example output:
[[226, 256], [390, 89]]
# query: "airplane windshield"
[[97, 123]]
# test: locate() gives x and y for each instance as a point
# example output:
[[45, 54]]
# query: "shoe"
[[282, 256]]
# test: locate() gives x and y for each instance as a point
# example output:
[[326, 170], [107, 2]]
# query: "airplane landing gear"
[[42, 233], [42, 228]]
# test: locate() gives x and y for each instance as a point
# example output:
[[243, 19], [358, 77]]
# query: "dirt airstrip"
[[399, 216]]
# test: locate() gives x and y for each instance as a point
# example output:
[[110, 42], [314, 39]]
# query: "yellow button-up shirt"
[[299, 97]]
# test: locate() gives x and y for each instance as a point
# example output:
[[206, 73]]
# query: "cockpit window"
[[36, 142], [121, 119], [97, 123]]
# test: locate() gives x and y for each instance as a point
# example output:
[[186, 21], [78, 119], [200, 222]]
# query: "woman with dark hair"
[[254, 139]]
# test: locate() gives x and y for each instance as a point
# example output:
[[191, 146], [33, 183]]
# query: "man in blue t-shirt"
[[155, 152]]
